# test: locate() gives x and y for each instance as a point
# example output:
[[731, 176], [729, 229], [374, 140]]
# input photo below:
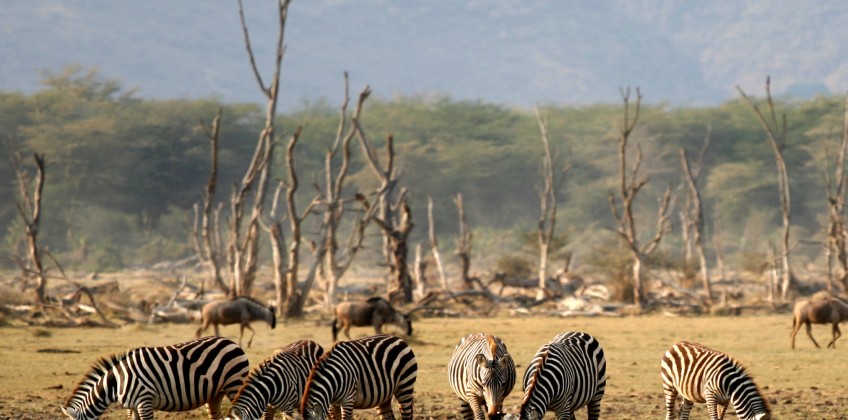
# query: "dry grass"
[[37, 377]]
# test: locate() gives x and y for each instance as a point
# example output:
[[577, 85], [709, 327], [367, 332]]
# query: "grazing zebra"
[[362, 373], [566, 374], [482, 373], [277, 384], [180, 377], [700, 374]]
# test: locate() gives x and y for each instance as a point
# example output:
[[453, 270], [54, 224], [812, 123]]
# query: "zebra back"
[[481, 367], [278, 381], [565, 375], [703, 375], [179, 377], [359, 374]]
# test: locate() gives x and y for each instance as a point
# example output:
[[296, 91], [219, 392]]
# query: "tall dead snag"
[[29, 207], [337, 261], [836, 229], [629, 186], [274, 230], [296, 293], [776, 134], [207, 241], [547, 206], [242, 250], [463, 246], [434, 244], [694, 219]]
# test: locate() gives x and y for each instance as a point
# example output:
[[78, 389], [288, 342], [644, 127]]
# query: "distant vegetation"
[[123, 172]]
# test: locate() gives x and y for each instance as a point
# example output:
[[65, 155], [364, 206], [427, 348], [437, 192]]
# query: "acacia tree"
[[629, 185], [776, 134]]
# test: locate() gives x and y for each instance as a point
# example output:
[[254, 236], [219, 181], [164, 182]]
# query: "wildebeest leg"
[[836, 335], [217, 331], [796, 326], [346, 330], [252, 333], [810, 334]]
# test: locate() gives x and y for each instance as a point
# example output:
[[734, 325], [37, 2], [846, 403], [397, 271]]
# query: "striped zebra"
[[700, 374], [359, 374], [277, 384], [481, 373], [180, 377], [568, 373]]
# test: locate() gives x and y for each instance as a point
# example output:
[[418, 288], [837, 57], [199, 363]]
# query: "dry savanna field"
[[39, 367]]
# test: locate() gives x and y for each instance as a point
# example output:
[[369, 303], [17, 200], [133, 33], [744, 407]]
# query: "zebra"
[[481, 373], [277, 384], [362, 373], [703, 375], [179, 377], [566, 374]]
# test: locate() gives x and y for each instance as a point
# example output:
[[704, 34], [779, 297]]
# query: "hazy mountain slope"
[[519, 53]]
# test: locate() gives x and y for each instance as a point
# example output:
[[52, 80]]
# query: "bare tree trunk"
[[777, 142], [697, 219], [629, 186], [463, 246], [434, 245], [547, 207], [207, 246], [837, 246], [30, 210], [719, 249]]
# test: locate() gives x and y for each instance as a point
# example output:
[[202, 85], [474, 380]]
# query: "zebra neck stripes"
[[703, 375], [278, 382], [565, 375]]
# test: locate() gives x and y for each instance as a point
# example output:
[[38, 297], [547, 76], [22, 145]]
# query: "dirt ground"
[[39, 367]]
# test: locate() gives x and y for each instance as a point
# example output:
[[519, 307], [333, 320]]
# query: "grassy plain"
[[37, 373]]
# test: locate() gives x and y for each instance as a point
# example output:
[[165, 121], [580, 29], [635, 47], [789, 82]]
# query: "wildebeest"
[[375, 311], [827, 310], [240, 310]]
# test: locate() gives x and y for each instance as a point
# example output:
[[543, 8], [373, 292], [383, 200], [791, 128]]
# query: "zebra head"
[[315, 411], [77, 414], [494, 376], [240, 413]]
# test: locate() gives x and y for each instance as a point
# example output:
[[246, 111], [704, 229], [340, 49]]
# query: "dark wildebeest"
[[375, 311], [240, 310], [826, 310]]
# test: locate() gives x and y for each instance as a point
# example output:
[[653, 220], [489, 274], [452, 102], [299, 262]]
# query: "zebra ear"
[[481, 360], [503, 362]]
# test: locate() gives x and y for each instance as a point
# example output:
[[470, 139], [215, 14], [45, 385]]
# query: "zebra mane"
[[100, 367], [493, 345], [534, 379]]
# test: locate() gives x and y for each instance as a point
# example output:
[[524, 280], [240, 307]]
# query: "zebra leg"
[[810, 334], [270, 411], [145, 410], [670, 401], [685, 408], [406, 405], [466, 411], [384, 410], [721, 409], [213, 406], [131, 414], [594, 407]]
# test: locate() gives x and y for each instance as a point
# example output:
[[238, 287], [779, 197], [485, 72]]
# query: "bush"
[[514, 266]]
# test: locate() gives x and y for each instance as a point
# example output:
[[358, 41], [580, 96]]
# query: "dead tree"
[[274, 229], [836, 246], [547, 206], [29, 207], [434, 244], [629, 186], [207, 239], [243, 249], [336, 260], [463, 246], [695, 218], [776, 134], [296, 293]]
